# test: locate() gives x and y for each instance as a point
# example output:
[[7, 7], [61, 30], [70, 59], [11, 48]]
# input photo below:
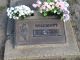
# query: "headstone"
[[42, 37], [40, 31]]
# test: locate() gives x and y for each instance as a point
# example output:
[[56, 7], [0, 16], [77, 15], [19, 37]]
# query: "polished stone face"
[[40, 31]]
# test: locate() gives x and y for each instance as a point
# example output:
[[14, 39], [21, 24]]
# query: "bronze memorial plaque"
[[36, 31]]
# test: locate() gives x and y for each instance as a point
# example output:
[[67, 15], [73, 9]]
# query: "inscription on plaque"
[[31, 32], [45, 32]]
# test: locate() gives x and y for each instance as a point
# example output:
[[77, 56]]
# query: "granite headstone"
[[40, 31]]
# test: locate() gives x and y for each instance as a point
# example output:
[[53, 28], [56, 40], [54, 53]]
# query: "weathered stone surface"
[[45, 51], [40, 31], [3, 2], [75, 16]]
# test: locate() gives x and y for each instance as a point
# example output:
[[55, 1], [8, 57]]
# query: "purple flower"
[[66, 11], [66, 17]]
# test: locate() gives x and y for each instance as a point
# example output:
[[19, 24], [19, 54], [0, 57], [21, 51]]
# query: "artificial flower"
[[55, 7], [17, 12]]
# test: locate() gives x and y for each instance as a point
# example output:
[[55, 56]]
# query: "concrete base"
[[70, 48]]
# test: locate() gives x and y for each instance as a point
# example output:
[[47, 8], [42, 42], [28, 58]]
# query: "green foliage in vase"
[[53, 7]]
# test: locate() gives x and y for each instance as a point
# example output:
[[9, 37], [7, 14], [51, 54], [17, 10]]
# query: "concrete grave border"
[[38, 52]]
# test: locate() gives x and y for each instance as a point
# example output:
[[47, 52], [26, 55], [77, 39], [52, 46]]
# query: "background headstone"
[[75, 16], [23, 2]]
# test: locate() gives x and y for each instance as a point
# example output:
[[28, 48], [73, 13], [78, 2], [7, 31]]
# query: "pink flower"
[[49, 7], [43, 7], [34, 5], [45, 3], [61, 5], [39, 2], [38, 5], [57, 4]]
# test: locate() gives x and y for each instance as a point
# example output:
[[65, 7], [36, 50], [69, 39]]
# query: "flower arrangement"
[[53, 7], [17, 12]]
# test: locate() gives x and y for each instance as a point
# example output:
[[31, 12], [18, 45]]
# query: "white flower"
[[20, 15], [32, 11], [17, 17], [8, 9], [11, 8], [51, 3], [66, 4], [53, 7], [66, 17], [18, 11], [10, 16], [14, 17], [43, 7], [48, 6], [40, 11], [55, 11], [15, 11], [45, 3]]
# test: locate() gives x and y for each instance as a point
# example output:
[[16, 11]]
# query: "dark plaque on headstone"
[[40, 31]]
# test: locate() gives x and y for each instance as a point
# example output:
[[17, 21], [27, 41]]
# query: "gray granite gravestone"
[[40, 37], [40, 31]]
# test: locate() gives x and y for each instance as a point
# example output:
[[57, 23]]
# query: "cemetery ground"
[[75, 24]]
